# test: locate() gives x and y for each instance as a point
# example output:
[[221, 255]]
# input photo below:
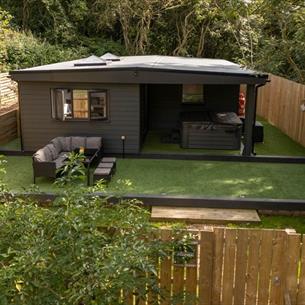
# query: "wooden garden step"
[[203, 215]]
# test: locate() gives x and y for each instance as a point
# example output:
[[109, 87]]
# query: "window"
[[98, 107], [192, 94], [75, 104]]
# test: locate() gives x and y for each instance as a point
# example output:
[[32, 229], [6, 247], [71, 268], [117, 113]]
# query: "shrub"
[[24, 50], [80, 250]]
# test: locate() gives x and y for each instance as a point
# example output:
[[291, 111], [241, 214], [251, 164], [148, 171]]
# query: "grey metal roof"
[[151, 62]]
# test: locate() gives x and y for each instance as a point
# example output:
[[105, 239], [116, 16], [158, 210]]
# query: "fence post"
[[293, 248], [301, 288]]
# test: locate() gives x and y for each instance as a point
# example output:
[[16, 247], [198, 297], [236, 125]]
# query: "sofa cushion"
[[77, 142], [39, 155], [52, 151], [63, 155], [57, 144], [43, 155], [65, 143], [93, 142]]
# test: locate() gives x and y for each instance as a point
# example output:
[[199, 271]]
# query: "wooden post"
[[249, 120]]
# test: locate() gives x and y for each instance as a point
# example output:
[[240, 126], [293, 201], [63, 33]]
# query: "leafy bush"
[[73, 171], [75, 254], [24, 50], [100, 46], [80, 250]]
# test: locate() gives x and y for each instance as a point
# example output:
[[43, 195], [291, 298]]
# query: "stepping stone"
[[105, 165], [109, 160], [102, 173], [203, 215]]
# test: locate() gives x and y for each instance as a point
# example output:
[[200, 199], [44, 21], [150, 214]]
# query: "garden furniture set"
[[48, 160]]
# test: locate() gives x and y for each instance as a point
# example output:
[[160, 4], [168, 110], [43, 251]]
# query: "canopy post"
[[249, 120]]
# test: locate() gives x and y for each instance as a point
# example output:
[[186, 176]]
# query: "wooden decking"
[[203, 215]]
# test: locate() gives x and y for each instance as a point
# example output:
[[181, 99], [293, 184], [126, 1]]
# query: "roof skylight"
[[90, 61]]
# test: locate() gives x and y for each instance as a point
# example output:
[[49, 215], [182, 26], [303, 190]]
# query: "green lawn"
[[277, 143], [12, 145], [279, 222], [177, 177]]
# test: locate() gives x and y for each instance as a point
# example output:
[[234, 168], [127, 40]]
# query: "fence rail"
[[280, 103], [236, 267]]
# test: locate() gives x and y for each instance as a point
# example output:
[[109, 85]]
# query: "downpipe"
[[254, 118]]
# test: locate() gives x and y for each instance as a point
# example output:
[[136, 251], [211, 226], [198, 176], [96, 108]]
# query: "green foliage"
[[73, 170], [24, 50], [100, 46], [81, 250], [281, 48], [2, 174], [5, 19], [260, 34], [75, 254]]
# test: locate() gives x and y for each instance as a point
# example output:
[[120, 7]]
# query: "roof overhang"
[[137, 75]]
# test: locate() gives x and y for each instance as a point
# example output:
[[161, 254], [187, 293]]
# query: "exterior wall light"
[[123, 138]]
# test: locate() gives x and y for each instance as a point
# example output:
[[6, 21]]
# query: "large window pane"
[[61, 104], [192, 94], [80, 104], [98, 105]]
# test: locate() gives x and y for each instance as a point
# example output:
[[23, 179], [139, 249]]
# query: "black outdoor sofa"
[[49, 159]]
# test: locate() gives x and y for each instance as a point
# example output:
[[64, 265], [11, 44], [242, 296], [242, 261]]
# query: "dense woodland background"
[[267, 35]]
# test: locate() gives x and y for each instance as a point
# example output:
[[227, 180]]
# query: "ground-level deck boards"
[[203, 215]]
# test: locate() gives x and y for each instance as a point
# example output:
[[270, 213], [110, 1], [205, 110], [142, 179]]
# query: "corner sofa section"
[[50, 158]]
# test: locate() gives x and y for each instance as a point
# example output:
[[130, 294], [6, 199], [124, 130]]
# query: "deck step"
[[203, 215]]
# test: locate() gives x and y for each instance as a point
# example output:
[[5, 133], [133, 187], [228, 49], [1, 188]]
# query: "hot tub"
[[211, 130]]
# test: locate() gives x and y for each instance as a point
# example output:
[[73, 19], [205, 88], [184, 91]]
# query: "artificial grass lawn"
[[153, 144], [275, 143], [178, 177], [12, 145], [279, 222]]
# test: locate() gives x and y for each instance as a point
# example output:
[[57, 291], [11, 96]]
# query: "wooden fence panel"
[[279, 103], [8, 126], [277, 280], [178, 284], [292, 264], [252, 270], [229, 265], [206, 266], [217, 265], [301, 288], [8, 90], [241, 266], [166, 272], [265, 267], [233, 267], [191, 276]]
